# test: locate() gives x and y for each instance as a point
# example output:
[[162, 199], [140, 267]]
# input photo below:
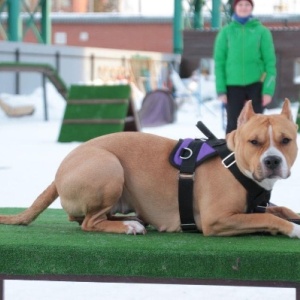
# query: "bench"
[[52, 248]]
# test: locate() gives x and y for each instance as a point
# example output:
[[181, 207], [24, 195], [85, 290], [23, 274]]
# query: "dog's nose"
[[272, 162]]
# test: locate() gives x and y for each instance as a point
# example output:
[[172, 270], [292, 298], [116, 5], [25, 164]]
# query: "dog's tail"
[[48, 196]]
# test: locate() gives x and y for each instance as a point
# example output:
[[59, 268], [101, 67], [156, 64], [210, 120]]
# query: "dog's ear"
[[286, 109], [246, 113], [230, 140]]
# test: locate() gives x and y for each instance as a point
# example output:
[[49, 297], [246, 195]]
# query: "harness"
[[189, 154]]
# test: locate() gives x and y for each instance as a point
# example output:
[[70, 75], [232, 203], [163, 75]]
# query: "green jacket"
[[244, 54]]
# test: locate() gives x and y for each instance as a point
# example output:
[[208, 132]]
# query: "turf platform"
[[54, 246]]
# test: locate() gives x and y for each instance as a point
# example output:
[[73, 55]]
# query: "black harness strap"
[[186, 184], [257, 197]]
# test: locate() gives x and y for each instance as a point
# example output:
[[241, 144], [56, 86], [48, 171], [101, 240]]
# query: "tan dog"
[[134, 167]]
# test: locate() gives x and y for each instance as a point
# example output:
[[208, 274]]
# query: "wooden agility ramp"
[[93, 111]]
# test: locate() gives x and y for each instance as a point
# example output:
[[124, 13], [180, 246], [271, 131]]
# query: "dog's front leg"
[[237, 224], [282, 212]]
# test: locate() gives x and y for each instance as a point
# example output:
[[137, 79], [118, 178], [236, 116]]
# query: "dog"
[[132, 168]]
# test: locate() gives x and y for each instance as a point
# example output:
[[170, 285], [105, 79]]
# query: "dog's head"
[[265, 146]]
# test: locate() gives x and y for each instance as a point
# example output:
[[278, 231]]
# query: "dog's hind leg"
[[79, 220], [126, 218], [112, 213], [98, 216], [90, 188], [98, 221]]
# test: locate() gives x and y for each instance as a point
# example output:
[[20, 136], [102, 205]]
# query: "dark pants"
[[236, 98]]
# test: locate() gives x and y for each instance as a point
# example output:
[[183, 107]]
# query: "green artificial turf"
[[54, 246]]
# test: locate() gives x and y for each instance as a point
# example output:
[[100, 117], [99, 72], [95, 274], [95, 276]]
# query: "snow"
[[30, 155]]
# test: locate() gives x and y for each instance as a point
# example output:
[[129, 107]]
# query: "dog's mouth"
[[266, 179], [261, 174], [271, 167], [276, 176]]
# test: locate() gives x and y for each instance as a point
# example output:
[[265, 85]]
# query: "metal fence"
[[148, 70]]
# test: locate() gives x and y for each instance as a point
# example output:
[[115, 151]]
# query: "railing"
[[86, 65]]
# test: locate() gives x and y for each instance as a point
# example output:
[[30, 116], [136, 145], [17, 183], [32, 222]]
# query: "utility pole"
[[198, 18], [177, 27], [14, 22], [46, 22], [216, 14]]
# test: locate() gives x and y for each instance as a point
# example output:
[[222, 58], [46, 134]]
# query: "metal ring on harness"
[[189, 155]]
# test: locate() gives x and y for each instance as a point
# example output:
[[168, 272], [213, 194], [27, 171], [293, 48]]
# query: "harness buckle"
[[224, 161], [189, 227], [186, 176], [189, 154]]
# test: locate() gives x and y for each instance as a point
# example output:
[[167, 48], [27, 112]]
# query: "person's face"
[[243, 8]]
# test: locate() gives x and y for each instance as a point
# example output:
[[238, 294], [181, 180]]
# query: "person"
[[245, 63]]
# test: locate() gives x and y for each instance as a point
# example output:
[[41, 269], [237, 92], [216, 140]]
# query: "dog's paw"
[[134, 227], [295, 232]]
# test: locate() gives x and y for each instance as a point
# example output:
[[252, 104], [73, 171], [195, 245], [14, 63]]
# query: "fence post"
[[17, 78], [92, 67], [1, 289], [57, 62], [45, 97]]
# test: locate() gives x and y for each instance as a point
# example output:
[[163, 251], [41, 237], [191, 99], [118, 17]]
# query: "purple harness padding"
[[205, 152]]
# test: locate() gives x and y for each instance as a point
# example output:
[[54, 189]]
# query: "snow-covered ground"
[[30, 155]]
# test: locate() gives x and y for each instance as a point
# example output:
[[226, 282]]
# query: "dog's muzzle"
[[274, 167], [272, 162]]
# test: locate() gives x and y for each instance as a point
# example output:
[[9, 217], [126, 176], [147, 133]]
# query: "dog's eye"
[[285, 141], [254, 142]]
